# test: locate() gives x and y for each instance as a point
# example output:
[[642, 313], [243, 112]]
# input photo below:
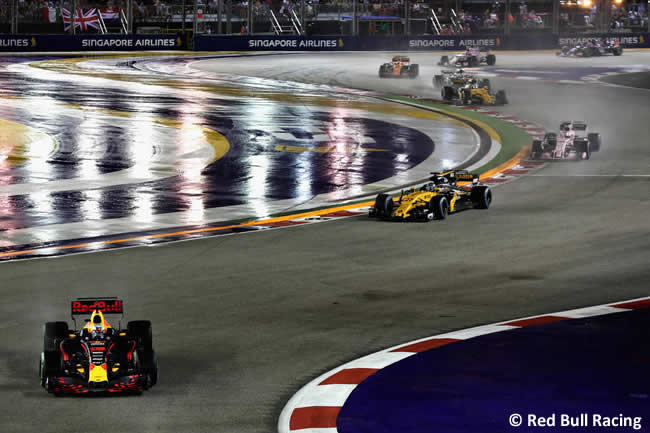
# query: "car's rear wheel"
[[594, 141], [481, 196], [413, 71], [140, 331], [490, 59], [440, 207], [444, 60], [53, 333]]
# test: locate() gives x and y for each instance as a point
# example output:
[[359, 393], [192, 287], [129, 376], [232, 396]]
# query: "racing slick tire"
[[447, 93], [53, 332], [594, 141], [444, 60], [384, 205], [500, 98], [140, 330], [490, 59], [617, 51], [472, 62], [551, 139], [466, 96], [382, 71], [481, 196], [440, 207], [437, 81], [537, 150], [565, 49], [414, 71], [51, 365], [148, 364], [582, 148], [587, 52]]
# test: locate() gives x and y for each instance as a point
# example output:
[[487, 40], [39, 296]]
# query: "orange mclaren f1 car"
[[400, 67]]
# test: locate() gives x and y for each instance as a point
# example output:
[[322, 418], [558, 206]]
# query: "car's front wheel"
[[440, 207], [383, 206]]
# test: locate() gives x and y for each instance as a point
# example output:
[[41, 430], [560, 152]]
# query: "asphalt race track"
[[242, 322]]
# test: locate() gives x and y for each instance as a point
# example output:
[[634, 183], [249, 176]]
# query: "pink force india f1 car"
[[571, 142], [98, 357], [472, 57]]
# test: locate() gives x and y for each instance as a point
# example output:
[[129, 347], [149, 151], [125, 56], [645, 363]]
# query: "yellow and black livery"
[[479, 92], [445, 193], [466, 89], [98, 357]]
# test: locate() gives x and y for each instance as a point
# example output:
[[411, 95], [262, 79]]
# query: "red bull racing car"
[[99, 357], [571, 142]]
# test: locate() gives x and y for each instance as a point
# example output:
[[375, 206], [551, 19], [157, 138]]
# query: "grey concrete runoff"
[[242, 322]]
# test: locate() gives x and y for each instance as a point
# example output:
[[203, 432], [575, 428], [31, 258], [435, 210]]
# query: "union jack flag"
[[82, 20]]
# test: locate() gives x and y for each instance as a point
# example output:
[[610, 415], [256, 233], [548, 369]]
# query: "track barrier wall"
[[38, 43], [407, 43]]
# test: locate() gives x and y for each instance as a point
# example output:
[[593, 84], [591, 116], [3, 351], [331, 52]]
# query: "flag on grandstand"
[[110, 14], [82, 20], [52, 15]]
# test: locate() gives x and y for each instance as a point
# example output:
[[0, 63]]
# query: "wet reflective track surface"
[[146, 152], [242, 322]]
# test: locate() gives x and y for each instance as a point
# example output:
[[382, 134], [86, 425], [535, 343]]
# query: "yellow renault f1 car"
[[480, 92], [436, 199], [98, 357]]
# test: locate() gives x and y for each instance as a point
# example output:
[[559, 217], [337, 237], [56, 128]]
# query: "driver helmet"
[[98, 330]]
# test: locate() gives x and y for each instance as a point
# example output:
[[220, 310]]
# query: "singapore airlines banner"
[[37, 43], [80, 43], [342, 43]]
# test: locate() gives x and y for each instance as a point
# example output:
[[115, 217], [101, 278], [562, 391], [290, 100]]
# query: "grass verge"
[[512, 140]]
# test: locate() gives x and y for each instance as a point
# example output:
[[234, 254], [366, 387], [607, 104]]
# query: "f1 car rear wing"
[[86, 306], [577, 125], [456, 176]]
